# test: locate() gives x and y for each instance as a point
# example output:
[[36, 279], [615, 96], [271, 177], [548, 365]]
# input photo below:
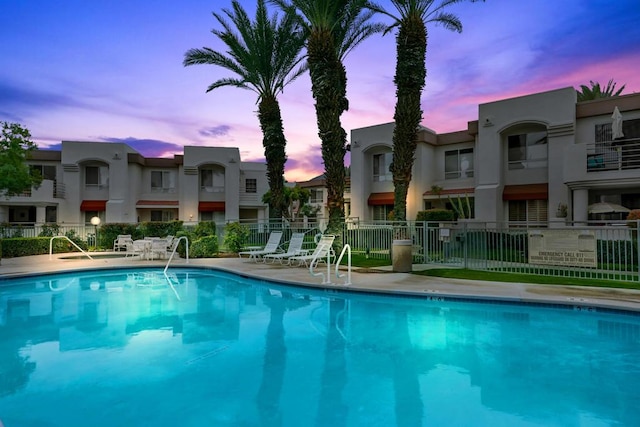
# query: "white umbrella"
[[616, 125], [605, 207]]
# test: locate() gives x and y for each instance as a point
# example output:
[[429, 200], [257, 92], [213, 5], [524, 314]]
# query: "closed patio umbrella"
[[606, 207], [616, 125]]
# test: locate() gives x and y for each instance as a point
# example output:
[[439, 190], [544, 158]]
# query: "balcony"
[[615, 155]]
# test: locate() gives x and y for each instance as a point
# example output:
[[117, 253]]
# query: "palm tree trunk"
[[328, 84], [274, 144], [410, 75]]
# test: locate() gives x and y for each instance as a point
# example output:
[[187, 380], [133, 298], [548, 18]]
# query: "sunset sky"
[[108, 70]]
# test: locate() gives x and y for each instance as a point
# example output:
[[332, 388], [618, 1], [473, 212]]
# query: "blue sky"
[[111, 70]]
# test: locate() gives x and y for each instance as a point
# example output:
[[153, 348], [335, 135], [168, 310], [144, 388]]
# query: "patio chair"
[[319, 254], [271, 247], [139, 248], [121, 242], [294, 248]]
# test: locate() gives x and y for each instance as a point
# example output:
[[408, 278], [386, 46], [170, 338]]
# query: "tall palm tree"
[[266, 55], [411, 43], [334, 28], [587, 93]]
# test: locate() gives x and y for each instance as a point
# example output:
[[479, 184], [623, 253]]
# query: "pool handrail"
[[347, 249], [176, 242], [70, 241], [326, 279]]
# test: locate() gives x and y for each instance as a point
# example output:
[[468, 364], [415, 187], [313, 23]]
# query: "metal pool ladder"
[[346, 249]]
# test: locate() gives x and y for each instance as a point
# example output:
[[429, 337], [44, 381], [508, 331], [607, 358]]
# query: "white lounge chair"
[[294, 248], [121, 242], [319, 254], [271, 247]]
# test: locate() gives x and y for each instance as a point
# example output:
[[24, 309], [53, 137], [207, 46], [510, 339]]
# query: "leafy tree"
[[296, 200], [265, 55], [334, 28], [587, 93], [15, 148], [411, 19]]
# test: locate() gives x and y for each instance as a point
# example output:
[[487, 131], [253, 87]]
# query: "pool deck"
[[373, 280]]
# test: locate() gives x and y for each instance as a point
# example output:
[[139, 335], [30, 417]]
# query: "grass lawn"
[[359, 260]]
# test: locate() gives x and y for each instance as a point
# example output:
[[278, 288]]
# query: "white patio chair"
[[121, 242], [294, 248], [271, 247], [319, 254]]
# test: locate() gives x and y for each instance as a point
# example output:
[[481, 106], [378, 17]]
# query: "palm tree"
[[411, 44], [334, 28], [595, 91], [265, 54]]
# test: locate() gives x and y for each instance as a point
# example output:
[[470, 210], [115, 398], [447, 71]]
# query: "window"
[[528, 210], [161, 216], [212, 180], [46, 172], [528, 150], [162, 182], [51, 214], [381, 212], [96, 176], [316, 195], [381, 167], [251, 185], [217, 217], [458, 164]]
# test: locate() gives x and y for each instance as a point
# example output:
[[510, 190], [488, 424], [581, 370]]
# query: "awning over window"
[[211, 207], [93, 206], [526, 192], [151, 204], [378, 199]]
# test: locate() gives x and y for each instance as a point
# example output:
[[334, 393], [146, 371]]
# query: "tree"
[[296, 202], [595, 91], [411, 45], [15, 148], [334, 28], [266, 56]]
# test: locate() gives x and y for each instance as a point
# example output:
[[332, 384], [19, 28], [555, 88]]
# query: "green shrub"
[[435, 215], [26, 246], [205, 228], [204, 247], [49, 230], [159, 229], [108, 233], [235, 236]]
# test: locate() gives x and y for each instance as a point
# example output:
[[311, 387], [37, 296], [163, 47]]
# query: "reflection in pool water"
[[132, 347]]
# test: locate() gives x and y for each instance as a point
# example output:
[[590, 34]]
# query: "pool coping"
[[389, 283]]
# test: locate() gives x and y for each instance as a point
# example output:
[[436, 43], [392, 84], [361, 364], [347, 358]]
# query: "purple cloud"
[[215, 131]]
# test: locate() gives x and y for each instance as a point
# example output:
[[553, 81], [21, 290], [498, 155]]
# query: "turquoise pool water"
[[206, 348]]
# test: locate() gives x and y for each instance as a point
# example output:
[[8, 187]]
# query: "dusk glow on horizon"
[[112, 71]]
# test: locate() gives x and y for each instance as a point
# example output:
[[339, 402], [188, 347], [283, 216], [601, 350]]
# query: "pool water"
[[207, 348]]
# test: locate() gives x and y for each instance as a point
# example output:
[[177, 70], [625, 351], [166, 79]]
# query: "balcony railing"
[[615, 155]]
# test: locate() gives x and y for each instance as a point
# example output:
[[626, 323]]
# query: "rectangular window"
[[381, 212], [96, 176], [527, 150], [217, 217], [458, 164], [251, 185], [46, 172], [316, 196], [51, 214], [381, 167], [162, 182], [161, 216], [528, 210], [212, 180]]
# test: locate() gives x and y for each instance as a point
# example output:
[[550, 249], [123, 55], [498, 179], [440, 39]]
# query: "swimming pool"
[[206, 348]]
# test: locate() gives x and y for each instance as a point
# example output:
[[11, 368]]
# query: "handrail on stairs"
[[175, 248], [70, 241]]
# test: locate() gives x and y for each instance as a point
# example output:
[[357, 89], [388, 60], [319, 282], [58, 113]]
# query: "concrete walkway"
[[372, 280]]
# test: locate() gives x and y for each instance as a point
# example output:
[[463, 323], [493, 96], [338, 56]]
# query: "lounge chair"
[[294, 248], [319, 254], [271, 247]]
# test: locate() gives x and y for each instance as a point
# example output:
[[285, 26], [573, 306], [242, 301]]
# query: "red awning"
[[379, 199], [157, 204], [93, 205], [211, 207], [526, 192]]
